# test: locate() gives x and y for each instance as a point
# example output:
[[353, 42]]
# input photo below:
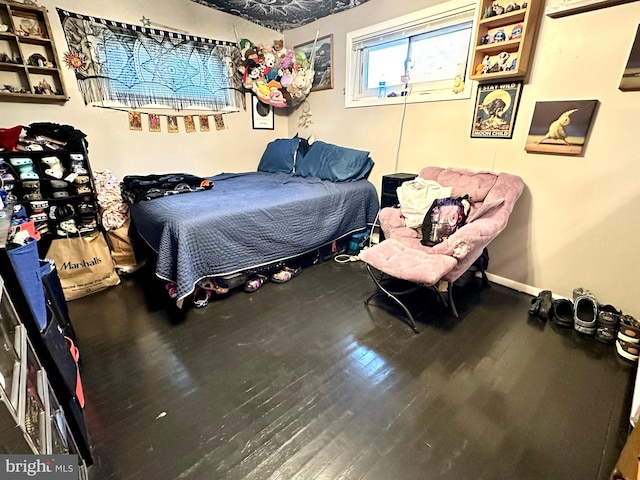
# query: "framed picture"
[[261, 115], [495, 110], [154, 123], [135, 120], [189, 124], [323, 64], [172, 124], [203, 120], [560, 127], [562, 8], [631, 76]]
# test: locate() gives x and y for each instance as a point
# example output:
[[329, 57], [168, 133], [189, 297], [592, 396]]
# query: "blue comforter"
[[249, 220]]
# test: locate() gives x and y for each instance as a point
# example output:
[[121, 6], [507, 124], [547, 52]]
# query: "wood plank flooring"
[[302, 381]]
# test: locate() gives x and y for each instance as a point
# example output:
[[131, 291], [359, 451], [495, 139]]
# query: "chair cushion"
[[394, 258], [476, 184]]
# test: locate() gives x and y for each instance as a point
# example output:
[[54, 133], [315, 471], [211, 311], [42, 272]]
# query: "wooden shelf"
[[517, 51], [29, 34]]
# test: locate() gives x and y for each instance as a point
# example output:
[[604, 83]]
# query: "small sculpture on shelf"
[[499, 36], [497, 8], [43, 88], [512, 7], [11, 89], [516, 32]]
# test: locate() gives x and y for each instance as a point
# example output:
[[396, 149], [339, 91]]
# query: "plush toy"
[[276, 98], [278, 48], [269, 71], [286, 62], [301, 60], [252, 72]]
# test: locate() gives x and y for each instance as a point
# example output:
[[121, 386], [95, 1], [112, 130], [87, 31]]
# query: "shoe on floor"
[[285, 274], [253, 284], [562, 312], [607, 324], [541, 306], [629, 329], [214, 285], [201, 297], [628, 351], [585, 311]]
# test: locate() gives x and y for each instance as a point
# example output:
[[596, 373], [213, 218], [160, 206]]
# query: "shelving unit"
[[37, 416], [519, 49], [29, 69]]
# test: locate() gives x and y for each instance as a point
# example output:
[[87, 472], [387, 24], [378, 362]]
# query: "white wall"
[[576, 224], [111, 144]]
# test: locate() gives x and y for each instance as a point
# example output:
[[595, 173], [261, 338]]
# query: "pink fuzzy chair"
[[401, 255]]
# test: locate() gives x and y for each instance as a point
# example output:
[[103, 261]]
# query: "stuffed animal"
[[252, 73], [276, 98], [269, 71], [301, 60], [278, 48]]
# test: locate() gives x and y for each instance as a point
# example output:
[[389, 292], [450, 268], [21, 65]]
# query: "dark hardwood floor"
[[301, 380]]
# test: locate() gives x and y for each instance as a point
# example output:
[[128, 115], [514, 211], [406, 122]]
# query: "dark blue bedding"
[[248, 220]]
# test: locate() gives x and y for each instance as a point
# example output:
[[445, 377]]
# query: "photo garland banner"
[[137, 66]]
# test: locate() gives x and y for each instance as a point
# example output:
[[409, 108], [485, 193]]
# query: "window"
[[425, 51]]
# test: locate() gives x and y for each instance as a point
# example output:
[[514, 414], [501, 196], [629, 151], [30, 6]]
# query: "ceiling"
[[281, 15]]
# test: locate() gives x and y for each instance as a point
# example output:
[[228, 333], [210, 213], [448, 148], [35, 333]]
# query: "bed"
[[250, 220]]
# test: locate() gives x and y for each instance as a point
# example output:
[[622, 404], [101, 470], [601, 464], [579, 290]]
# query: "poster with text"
[[495, 110]]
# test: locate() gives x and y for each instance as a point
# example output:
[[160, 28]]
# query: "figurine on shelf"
[[497, 8], [486, 64], [487, 39], [512, 7], [516, 32], [488, 13], [43, 88], [503, 58], [499, 36]]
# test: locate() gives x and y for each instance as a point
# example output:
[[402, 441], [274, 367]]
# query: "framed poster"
[[261, 115], [562, 8], [560, 127], [323, 64], [495, 109], [631, 75]]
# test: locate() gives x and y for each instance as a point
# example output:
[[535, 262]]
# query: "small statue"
[[497, 9]]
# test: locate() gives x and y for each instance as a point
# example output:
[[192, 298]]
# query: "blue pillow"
[[335, 163], [279, 156]]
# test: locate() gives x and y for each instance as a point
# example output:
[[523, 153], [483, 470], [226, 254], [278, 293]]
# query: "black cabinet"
[[389, 185]]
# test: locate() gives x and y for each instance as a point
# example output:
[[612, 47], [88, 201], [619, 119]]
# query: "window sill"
[[418, 97]]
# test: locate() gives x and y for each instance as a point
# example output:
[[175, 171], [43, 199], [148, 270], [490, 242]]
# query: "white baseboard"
[[512, 284]]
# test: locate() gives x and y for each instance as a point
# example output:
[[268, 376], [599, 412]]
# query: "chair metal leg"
[[452, 305], [393, 295]]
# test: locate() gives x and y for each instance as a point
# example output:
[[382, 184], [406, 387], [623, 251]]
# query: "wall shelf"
[[28, 36], [509, 58]]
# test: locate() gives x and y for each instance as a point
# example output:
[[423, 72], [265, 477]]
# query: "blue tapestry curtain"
[[138, 66]]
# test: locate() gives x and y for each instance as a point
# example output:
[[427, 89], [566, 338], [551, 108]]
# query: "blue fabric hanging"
[[28, 269]]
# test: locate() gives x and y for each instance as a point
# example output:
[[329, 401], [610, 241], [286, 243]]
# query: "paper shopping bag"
[[122, 250], [84, 265]]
